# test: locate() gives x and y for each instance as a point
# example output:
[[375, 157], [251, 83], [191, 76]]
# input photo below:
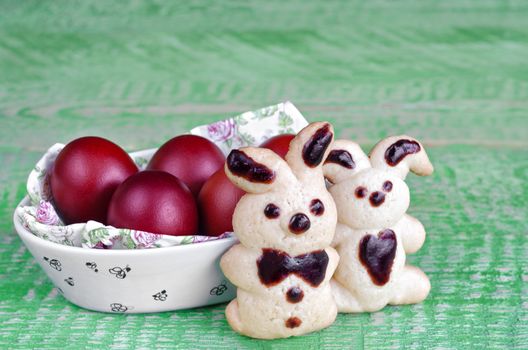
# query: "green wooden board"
[[454, 74]]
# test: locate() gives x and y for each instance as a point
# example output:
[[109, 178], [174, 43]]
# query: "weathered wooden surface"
[[453, 74]]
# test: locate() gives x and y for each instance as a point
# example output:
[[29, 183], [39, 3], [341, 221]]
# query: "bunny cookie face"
[[285, 223], [373, 198], [294, 219], [374, 233]]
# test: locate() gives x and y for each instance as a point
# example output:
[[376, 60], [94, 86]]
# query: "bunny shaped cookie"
[[285, 224], [373, 232]]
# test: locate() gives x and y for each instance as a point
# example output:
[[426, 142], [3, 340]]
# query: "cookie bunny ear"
[[309, 149], [345, 160], [401, 154], [257, 170]]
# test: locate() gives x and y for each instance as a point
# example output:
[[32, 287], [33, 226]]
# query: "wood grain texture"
[[452, 73]]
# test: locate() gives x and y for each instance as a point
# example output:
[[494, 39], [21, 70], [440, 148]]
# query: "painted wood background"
[[454, 74]]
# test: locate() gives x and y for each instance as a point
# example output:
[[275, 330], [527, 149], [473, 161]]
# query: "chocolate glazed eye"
[[387, 186], [272, 211], [361, 192], [317, 207]]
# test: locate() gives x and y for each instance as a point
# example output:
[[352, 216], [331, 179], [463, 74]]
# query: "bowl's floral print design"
[[53, 263], [160, 296], [218, 290], [40, 218], [92, 266], [118, 307]]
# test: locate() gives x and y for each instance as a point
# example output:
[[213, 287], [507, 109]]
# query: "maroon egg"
[[216, 202], [280, 144], [192, 159], [154, 201], [84, 177]]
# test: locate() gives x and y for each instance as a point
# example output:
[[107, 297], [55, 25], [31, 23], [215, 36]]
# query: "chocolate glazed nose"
[[299, 223], [377, 198]]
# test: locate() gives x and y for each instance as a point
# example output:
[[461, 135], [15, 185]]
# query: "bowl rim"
[[27, 235]]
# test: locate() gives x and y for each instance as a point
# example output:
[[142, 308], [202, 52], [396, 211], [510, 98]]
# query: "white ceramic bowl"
[[134, 281]]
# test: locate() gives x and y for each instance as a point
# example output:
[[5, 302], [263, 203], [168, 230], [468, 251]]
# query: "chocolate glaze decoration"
[[377, 198], [294, 295], [377, 255], [399, 150], [299, 223], [242, 165], [275, 265], [317, 207], [293, 322], [314, 149], [272, 211], [387, 186], [360, 192], [341, 157]]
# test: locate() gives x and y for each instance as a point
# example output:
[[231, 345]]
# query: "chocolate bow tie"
[[275, 265]]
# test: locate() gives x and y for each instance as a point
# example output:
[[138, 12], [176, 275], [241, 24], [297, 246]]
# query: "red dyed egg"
[[280, 144], [84, 177], [154, 201], [216, 202], [192, 159]]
